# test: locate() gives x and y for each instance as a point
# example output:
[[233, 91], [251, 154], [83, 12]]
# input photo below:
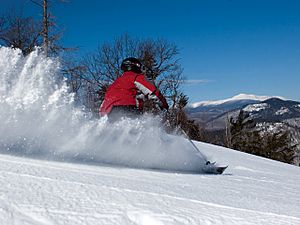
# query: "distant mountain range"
[[214, 114]]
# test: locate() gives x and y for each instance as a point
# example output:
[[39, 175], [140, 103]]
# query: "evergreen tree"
[[243, 135], [247, 137], [278, 146]]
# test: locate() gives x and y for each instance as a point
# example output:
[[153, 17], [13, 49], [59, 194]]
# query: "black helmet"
[[132, 64]]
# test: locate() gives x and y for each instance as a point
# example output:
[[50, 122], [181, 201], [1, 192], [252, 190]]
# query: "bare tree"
[[74, 71], [20, 32], [25, 33], [48, 31], [160, 57]]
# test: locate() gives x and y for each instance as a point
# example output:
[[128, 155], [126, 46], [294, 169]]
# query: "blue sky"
[[232, 46]]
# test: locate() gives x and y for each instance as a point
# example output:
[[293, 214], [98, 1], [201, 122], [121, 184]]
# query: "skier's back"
[[126, 95]]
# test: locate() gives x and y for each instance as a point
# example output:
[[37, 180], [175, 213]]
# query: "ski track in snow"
[[43, 192]]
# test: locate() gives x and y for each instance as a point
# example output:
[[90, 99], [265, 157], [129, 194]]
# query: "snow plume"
[[38, 119]]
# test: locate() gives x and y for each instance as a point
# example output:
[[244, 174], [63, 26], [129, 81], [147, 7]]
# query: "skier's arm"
[[149, 90]]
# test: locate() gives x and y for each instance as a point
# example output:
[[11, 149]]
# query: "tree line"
[[245, 135]]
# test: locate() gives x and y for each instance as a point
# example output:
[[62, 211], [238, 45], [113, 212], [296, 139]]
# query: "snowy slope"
[[252, 191]]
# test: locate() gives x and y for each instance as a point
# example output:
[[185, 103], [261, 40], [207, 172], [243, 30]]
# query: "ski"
[[211, 168]]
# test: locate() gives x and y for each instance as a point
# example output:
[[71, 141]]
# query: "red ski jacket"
[[126, 91]]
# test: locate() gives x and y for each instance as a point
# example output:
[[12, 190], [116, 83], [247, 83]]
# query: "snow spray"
[[38, 118]]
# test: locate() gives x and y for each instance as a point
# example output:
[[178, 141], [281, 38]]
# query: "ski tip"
[[221, 169], [212, 169]]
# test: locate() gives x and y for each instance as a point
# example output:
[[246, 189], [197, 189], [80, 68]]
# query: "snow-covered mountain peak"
[[238, 97], [251, 97]]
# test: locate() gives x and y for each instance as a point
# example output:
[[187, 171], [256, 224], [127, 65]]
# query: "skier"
[[126, 95]]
